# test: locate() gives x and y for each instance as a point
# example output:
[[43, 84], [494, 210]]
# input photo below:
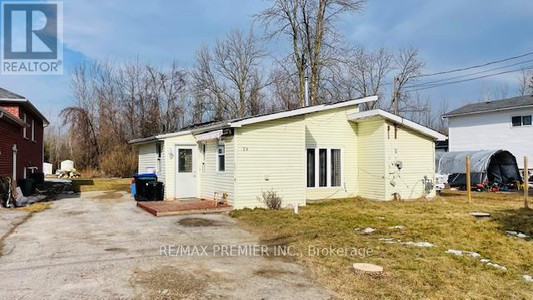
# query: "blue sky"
[[448, 34]]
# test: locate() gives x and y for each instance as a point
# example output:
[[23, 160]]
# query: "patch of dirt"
[[110, 197], [113, 249], [272, 273], [74, 213], [168, 283], [10, 232], [198, 222]]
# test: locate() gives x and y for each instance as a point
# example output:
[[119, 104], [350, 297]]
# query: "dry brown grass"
[[410, 272], [101, 184], [35, 207]]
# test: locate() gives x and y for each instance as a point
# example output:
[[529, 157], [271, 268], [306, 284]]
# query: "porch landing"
[[183, 207]]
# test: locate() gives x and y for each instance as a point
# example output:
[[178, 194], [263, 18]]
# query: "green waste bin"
[[27, 186]]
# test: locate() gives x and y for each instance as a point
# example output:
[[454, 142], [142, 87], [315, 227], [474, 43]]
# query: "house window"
[[324, 167], [159, 150], [221, 158], [336, 167], [33, 130], [24, 133], [310, 167], [526, 120], [521, 121]]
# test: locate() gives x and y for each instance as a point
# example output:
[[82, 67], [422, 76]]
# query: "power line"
[[417, 85], [470, 79], [476, 66]]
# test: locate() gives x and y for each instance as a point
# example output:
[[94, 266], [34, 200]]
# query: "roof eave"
[[399, 120], [484, 111], [302, 111], [30, 105]]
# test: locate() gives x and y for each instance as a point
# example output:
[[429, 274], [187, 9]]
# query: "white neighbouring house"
[[501, 124]]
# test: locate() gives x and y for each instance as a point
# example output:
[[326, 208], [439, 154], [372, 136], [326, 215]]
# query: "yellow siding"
[[170, 163], [371, 157], [213, 181], [417, 155], [270, 155], [331, 129]]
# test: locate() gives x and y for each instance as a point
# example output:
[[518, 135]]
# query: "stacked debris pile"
[[68, 174]]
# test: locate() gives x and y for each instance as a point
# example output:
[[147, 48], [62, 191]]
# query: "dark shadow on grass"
[[77, 183], [515, 220]]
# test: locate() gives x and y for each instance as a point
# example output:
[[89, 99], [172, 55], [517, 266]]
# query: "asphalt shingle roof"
[[515, 102], [5, 94]]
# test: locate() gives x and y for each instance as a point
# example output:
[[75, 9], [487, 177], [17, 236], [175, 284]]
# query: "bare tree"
[[409, 67], [116, 103], [525, 81], [367, 73], [310, 26], [229, 76]]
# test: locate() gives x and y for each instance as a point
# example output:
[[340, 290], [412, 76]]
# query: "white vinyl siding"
[[147, 157], [466, 133]]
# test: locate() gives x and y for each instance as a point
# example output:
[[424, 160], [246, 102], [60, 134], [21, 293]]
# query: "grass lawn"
[[410, 272]]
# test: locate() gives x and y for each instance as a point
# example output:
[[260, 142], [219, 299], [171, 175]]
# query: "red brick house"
[[21, 136]]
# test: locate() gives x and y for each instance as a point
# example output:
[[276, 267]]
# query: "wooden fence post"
[[468, 183], [526, 183]]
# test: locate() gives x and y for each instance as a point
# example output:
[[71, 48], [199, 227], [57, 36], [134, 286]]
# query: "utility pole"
[[395, 97], [526, 183]]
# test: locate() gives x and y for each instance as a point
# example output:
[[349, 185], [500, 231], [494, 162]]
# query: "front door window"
[[185, 160]]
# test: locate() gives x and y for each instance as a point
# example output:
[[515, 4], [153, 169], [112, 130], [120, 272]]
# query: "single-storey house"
[[492, 125], [312, 153]]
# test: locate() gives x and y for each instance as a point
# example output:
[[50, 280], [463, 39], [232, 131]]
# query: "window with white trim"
[[324, 167], [221, 158], [33, 130], [24, 132], [517, 121]]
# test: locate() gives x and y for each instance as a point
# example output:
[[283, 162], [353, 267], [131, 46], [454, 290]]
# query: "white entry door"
[[186, 177]]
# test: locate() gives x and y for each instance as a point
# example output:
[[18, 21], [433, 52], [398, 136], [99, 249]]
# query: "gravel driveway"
[[99, 245]]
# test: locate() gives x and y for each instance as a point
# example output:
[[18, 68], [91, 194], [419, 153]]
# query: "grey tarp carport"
[[486, 166]]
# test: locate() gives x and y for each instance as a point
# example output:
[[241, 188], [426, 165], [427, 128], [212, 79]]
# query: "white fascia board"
[[173, 134], [301, 111], [399, 120]]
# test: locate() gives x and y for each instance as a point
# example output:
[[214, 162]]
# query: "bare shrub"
[[121, 161], [271, 199]]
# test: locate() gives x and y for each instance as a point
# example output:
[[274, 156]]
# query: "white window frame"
[[33, 130], [204, 154], [24, 134], [220, 143], [521, 121], [328, 167]]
